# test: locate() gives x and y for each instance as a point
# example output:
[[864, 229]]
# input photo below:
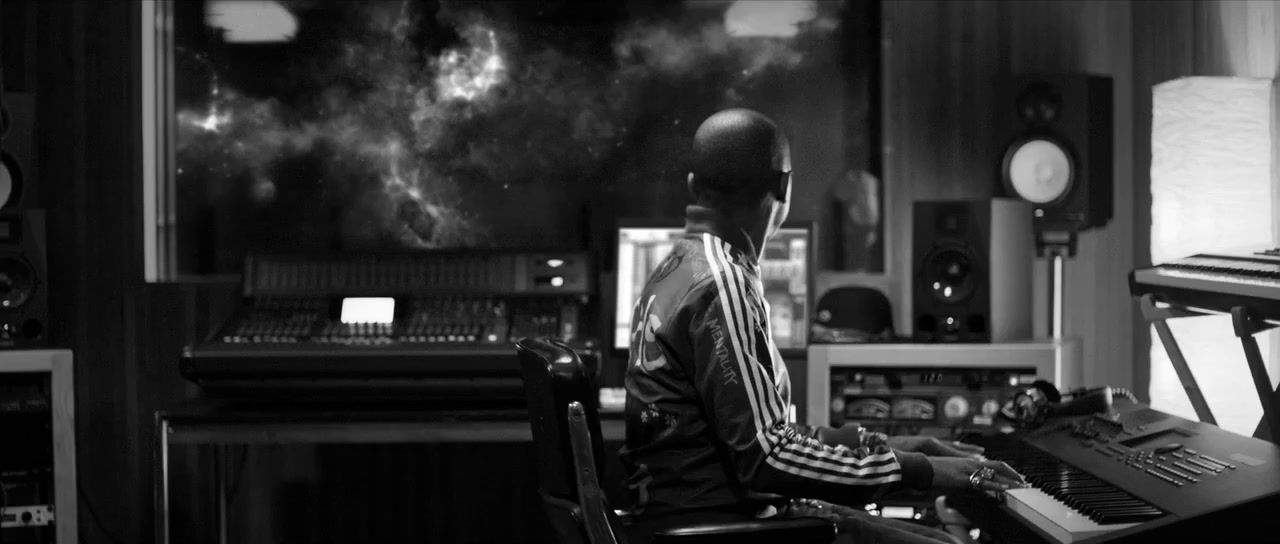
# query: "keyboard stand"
[[1245, 326]]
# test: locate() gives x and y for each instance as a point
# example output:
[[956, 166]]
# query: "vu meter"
[[922, 397]]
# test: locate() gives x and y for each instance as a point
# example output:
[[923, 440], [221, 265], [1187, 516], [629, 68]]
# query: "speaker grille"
[[17, 282]]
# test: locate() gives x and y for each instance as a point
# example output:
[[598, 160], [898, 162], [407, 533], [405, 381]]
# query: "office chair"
[[853, 315], [564, 416]]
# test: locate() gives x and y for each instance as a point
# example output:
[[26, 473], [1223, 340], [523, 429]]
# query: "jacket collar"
[[700, 219]]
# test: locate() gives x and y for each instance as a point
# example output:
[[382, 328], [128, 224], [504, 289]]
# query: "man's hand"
[[955, 473], [933, 447]]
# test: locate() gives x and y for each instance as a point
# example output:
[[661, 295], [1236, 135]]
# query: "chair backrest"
[[865, 310], [554, 376]]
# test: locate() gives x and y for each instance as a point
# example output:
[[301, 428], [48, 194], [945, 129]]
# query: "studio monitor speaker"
[[24, 307], [971, 278], [1055, 135], [17, 150]]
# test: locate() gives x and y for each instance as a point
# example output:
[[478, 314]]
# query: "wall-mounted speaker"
[[1055, 135], [971, 278]]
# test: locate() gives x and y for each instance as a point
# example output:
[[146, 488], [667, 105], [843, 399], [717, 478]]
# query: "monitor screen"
[[784, 271], [368, 310]]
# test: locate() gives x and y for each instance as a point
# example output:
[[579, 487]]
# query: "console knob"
[[956, 407]]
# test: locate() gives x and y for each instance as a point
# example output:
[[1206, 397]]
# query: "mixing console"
[[433, 320], [402, 320]]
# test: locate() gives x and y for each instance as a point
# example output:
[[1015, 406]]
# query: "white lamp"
[[1213, 187], [1212, 165]]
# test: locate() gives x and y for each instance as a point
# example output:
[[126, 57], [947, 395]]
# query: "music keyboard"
[[1066, 502], [1144, 475], [1215, 281], [1063, 522]]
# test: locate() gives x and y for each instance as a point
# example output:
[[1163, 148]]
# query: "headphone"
[[1031, 406]]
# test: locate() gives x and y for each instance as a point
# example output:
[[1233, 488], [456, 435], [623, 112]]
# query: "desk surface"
[[204, 422]]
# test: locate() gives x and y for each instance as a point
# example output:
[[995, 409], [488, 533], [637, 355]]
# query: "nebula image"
[[423, 124]]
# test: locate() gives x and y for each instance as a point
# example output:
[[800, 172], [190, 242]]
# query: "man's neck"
[[743, 231]]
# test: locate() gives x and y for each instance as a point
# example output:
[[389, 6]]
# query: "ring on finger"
[[975, 479]]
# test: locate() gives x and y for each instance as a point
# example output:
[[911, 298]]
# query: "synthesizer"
[[1216, 282], [442, 323], [1136, 474]]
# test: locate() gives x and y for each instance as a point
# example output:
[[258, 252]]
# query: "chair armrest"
[[790, 531], [626, 517]]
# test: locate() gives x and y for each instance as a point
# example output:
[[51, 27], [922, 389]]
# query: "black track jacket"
[[708, 395]]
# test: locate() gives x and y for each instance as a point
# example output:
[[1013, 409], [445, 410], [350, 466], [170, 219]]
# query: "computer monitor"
[[785, 271]]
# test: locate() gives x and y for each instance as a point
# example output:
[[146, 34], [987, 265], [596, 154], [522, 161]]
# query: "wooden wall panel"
[[85, 152], [940, 63], [939, 60], [1235, 38], [1090, 37]]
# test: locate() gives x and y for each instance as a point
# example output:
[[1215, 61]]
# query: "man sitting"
[[709, 437]]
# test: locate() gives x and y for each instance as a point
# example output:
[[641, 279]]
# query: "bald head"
[[739, 154]]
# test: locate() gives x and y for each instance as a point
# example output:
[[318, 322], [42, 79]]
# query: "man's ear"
[[783, 186]]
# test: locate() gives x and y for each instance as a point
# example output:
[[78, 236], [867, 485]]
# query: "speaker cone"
[[17, 282], [949, 275], [10, 180], [1039, 170]]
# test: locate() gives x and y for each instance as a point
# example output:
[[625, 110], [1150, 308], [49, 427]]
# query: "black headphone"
[[1031, 406]]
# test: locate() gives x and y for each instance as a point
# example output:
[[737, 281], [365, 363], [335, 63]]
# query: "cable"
[[1124, 392]]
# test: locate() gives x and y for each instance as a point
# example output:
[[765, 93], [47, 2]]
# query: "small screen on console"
[[368, 310], [784, 274], [1153, 439]]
